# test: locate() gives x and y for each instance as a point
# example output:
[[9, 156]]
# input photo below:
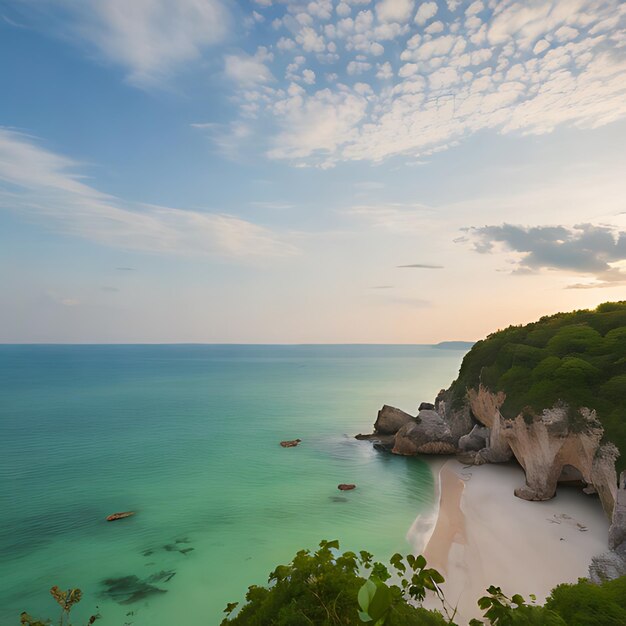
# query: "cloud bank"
[[42, 186], [402, 78], [597, 251]]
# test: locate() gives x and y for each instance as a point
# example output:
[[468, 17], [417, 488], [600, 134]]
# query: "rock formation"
[[548, 446], [545, 445], [612, 564], [292, 443], [390, 420], [428, 433]]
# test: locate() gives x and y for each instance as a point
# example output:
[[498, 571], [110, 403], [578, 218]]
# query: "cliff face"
[[612, 564], [548, 448]]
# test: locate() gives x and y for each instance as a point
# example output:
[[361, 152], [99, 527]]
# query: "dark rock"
[[386, 440], [290, 444], [163, 575], [129, 589], [426, 406], [147, 552], [475, 440], [338, 499], [383, 447], [427, 434], [612, 564], [115, 516], [346, 486], [390, 420], [459, 418]]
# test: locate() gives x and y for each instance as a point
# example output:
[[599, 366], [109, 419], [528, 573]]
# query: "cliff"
[[550, 395]]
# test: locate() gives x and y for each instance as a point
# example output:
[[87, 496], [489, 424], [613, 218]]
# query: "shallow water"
[[188, 436]]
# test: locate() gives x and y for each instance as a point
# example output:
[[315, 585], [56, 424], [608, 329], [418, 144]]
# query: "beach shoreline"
[[483, 535]]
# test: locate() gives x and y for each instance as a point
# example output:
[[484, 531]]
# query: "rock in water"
[[290, 444], [390, 420], [346, 486], [122, 515]]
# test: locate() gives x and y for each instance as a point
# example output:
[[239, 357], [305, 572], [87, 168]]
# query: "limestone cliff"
[[612, 564], [548, 447]]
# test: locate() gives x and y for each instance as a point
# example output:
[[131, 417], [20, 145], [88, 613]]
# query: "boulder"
[[477, 439], [346, 486], [390, 420], [426, 406], [290, 444], [116, 516], [457, 415], [427, 434]]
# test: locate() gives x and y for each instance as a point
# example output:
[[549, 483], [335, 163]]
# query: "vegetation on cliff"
[[328, 588], [577, 358]]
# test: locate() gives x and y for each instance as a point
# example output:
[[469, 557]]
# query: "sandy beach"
[[484, 535]]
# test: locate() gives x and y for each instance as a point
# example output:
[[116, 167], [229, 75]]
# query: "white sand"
[[484, 536]]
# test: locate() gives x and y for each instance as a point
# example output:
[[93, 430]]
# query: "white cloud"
[[343, 9], [358, 67], [394, 10], [434, 28], [247, 70], [151, 38], [308, 76], [320, 122], [426, 11], [408, 69], [474, 8], [384, 71], [310, 40], [44, 187], [528, 68], [566, 33]]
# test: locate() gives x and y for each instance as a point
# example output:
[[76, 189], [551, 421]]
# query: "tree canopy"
[[577, 358]]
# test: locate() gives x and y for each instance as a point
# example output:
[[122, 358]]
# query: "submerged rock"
[[129, 589], [163, 575], [122, 515], [346, 486]]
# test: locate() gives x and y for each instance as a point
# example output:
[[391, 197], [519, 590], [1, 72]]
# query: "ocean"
[[188, 437]]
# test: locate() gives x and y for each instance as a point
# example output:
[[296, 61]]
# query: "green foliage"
[[500, 610], [66, 600], [585, 604], [576, 358], [327, 588]]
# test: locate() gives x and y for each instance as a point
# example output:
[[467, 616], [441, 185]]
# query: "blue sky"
[[324, 171]]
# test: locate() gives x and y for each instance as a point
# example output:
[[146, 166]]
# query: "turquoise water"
[[187, 436]]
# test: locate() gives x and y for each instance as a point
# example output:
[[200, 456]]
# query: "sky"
[[283, 171]]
